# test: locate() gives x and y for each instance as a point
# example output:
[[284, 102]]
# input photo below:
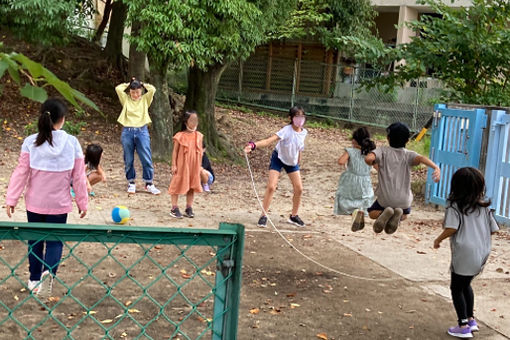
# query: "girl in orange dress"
[[186, 163]]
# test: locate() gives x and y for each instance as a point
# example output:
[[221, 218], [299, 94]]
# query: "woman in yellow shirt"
[[135, 134]]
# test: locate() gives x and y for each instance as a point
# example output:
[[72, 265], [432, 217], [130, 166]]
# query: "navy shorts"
[[377, 206], [277, 164]]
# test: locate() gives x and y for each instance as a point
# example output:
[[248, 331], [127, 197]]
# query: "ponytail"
[[362, 137], [52, 111]]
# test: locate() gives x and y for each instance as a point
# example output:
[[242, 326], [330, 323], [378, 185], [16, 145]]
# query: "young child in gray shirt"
[[393, 192], [469, 223]]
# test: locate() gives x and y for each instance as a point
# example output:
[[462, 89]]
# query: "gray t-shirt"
[[394, 187], [471, 244]]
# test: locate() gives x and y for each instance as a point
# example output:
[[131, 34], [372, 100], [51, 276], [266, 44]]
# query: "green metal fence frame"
[[228, 272]]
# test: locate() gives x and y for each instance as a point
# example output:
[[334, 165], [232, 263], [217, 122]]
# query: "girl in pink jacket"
[[49, 161]]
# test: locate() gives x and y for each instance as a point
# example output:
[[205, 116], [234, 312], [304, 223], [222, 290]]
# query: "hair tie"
[[48, 113]]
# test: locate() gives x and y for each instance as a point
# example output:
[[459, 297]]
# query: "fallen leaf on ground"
[[107, 321], [254, 311], [322, 336]]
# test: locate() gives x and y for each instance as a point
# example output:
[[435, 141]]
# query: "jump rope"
[[352, 276]]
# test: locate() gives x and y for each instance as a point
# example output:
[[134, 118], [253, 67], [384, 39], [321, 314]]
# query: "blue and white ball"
[[120, 214]]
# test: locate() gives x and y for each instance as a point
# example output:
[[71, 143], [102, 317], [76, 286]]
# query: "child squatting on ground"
[[93, 170], [469, 224], [206, 172], [186, 164], [355, 194], [134, 118], [48, 162], [286, 155], [393, 192]]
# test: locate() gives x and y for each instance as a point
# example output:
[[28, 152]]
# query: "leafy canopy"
[[466, 48], [45, 21], [327, 20], [203, 32]]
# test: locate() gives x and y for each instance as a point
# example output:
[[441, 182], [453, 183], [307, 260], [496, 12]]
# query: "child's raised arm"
[[260, 144], [150, 93], [120, 89], [436, 175]]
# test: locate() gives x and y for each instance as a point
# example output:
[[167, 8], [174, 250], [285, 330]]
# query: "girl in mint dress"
[[355, 194]]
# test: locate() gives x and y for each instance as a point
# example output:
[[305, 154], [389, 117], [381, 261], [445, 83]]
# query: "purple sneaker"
[[460, 332], [473, 325]]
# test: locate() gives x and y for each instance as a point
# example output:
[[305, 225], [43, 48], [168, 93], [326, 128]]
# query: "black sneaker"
[[189, 212], [175, 213], [296, 221], [262, 221]]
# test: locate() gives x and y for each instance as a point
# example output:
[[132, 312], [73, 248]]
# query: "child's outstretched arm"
[[260, 144], [436, 175], [447, 232], [343, 159], [370, 158]]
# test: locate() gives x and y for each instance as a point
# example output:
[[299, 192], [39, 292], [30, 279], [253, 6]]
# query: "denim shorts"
[[277, 164], [377, 206]]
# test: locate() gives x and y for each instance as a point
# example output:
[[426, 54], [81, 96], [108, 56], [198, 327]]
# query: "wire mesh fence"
[[327, 90], [123, 283]]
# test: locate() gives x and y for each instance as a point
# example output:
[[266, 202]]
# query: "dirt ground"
[[382, 286]]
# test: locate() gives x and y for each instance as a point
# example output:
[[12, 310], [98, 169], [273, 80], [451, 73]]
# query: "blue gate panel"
[[455, 143], [497, 169]]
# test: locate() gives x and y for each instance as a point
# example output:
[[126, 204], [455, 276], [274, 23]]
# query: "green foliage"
[[202, 32], [466, 48], [69, 127], [73, 128], [328, 20], [422, 147], [43, 21], [19, 68]]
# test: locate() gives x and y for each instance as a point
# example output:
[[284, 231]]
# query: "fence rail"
[[326, 90], [119, 282]]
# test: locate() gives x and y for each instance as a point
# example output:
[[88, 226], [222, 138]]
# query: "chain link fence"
[[118, 282], [326, 90]]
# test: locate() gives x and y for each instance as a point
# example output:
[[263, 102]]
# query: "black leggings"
[[462, 296]]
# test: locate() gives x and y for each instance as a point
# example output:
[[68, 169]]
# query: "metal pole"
[[293, 97], [416, 101], [351, 105], [240, 85]]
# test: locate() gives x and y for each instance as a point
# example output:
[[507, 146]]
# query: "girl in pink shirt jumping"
[[49, 161]]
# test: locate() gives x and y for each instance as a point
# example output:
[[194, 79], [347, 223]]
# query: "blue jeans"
[[39, 262], [137, 139]]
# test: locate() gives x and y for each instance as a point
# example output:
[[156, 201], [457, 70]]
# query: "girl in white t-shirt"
[[287, 155]]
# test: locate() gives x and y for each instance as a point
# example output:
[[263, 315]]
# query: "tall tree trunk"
[[136, 58], [113, 48], [104, 21], [161, 113], [200, 96]]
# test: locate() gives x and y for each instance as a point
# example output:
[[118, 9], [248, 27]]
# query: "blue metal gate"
[[455, 143], [497, 168]]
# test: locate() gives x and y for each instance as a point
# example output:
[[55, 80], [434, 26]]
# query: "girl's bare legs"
[[272, 182], [189, 198], [174, 199], [204, 176], [95, 178], [295, 178]]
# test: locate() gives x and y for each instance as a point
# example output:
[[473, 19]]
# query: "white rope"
[[294, 247]]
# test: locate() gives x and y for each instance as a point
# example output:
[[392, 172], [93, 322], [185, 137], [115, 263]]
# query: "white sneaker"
[[152, 189], [131, 188], [46, 285], [33, 286]]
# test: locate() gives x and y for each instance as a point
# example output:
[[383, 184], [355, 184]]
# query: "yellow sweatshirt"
[[135, 113]]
